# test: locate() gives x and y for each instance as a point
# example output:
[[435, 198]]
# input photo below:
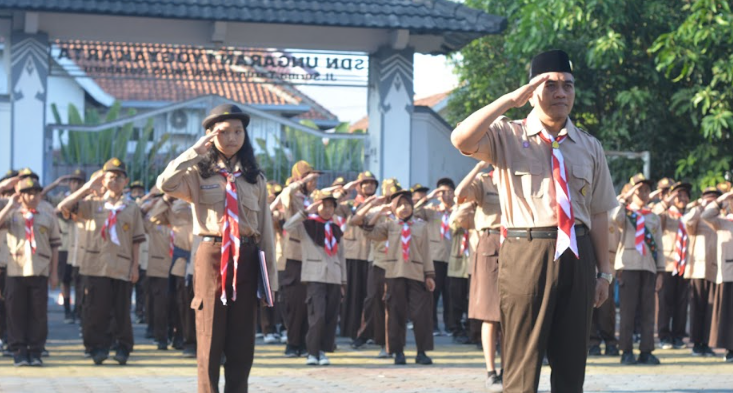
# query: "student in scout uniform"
[[438, 219], [480, 188], [323, 272], [111, 261], [603, 327], [702, 268], [33, 239], [374, 314], [409, 276], [220, 178], [673, 298], [272, 317], [552, 221], [7, 189], [461, 222], [419, 192], [663, 188], [294, 199], [356, 251], [137, 194], [640, 263], [719, 215]]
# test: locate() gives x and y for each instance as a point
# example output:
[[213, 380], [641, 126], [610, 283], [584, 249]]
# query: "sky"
[[433, 75]]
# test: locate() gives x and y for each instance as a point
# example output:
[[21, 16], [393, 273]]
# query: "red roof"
[[429, 101]]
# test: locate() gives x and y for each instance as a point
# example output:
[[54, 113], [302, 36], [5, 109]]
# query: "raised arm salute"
[[555, 191]]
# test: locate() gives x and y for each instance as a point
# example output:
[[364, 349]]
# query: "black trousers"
[[603, 327], [294, 293], [323, 302], [441, 290], [673, 300], [458, 304], [373, 323], [141, 298], [408, 299], [158, 307], [184, 297], [357, 272], [3, 313], [636, 293], [701, 309], [106, 316], [27, 305]]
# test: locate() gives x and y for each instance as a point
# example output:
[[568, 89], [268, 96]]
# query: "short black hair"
[[446, 182]]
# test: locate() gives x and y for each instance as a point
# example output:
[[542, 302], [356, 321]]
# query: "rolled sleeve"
[[604, 196]]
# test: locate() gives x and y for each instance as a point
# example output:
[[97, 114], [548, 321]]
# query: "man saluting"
[[555, 191]]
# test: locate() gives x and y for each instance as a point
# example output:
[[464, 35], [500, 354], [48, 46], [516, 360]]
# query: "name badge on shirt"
[[209, 186]]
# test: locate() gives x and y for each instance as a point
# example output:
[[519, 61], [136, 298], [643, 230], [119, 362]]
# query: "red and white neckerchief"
[[110, 224], [680, 243], [171, 246], [464, 243], [729, 217], [30, 237], [230, 242], [405, 238], [445, 225], [639, 238], [330, 244], [341, 222], [563, 208]]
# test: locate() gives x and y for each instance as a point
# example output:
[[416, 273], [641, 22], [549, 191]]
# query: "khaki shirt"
[[181, 179], [293, 202], [4, 250], [439, 246], [420, 264], [462, 221], [159, 259], [627, 256], [669, 233], [84, 236], [377, 249], [104, 258], [724, 228], [614, 238], [482, 190], [356, 244], [523, 172], [317, 265], [702, 260], [178, 215], [23, 263]]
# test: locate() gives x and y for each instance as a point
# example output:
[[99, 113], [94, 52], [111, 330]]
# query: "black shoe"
[[177, 344], [36, 361], [677, 343], [461, 339], [636, 337], [399, 358], [121, 356], [698, 350], [666, 344], [423, 359], [68, 318], [648, 359], [611, 350], [493, 383], [628, 359], [707, 351], [139, 320], [44, 353], [21, 360], [358, 343], [594, 350], [162, 346], [99, 356], [149, 333], [189, 352], [291, 351], [728, 356]]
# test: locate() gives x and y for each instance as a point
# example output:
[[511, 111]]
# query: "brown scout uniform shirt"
[[356, 244], [293, 202], [420, 264], [482, 190], [614, 239], [377, 249], [460, 264], [669, 229], [159, 259], [627, 257], [724, 228], [47, 236], [84, 235], [181, 179], [702, 254], [317, 265], [104, 258], [439, 247], [178, 215], [523, 172]]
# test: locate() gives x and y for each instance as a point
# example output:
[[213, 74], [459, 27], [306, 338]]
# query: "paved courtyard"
[[457, 368]]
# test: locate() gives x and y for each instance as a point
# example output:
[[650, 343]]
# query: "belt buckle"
[[529, 233]]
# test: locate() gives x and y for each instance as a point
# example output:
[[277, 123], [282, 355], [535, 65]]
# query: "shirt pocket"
[[530, 177], [212, 204], [580, 182], [250, 210]]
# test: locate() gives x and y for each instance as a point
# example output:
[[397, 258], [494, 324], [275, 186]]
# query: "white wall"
[[4, 137], [433, 155], [62, 92]]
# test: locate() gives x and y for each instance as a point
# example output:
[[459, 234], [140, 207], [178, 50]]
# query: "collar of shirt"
[[120, 201], [535, 126]]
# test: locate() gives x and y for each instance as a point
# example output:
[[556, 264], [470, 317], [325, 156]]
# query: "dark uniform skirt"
[[483, 301], [721, 330]]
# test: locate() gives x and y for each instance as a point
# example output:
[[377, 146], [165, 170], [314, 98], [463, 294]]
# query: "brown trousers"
[[441, 290], [158, 307], [106, 313], [636, 292], [184, 297], [721, 331], [225, 329], [702, 296], [293, 294], [603, 324], [3, 313], [408, 299], [673, 300], [27, 313], [373, 323], [141, 295], [357, 272], [546, 307], [323, 302], [458, 288]]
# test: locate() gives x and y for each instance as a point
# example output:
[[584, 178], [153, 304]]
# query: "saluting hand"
[[351, 185], [520, 96], [9, 183], [15, 199], [313, 208], [204, 143]]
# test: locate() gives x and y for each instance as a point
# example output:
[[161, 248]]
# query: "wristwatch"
[[606, 276]]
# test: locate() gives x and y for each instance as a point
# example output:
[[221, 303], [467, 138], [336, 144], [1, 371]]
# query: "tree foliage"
[[650, 75]]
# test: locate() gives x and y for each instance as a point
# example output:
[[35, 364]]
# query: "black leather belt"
[[543, 233], [490, 231], [217, 239]]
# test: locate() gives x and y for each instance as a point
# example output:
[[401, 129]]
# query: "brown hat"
[[27, 172], [711, 190], [9, 174], [339, 182], [390, 186], [367, 176], [78, 174], [137, 184], [681, 185], [224, 112], [394, 199], [28, 184], [417, 187], [665, 183], [321, 195], [639, 178], [301, 169], [273, 188], [724, 186], [115, 165]]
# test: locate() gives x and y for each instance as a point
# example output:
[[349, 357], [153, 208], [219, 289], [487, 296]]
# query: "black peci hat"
[[224, 112], [550, 61]]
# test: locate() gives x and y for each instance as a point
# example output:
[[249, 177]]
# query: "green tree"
[[621, 97]]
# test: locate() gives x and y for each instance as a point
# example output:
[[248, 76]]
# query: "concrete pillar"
[[390, 105]]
